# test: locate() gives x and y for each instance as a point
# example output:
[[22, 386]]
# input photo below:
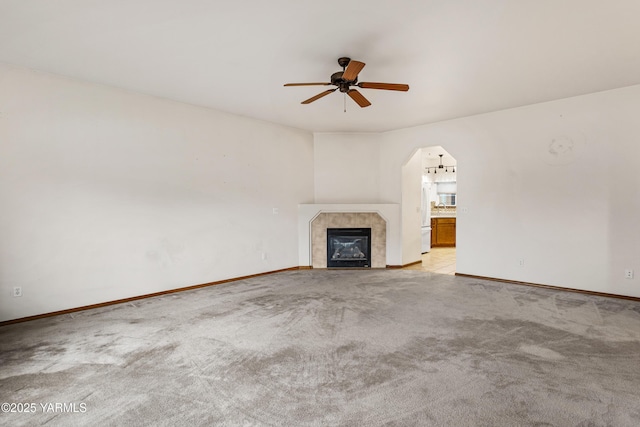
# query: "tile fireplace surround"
[[349, 220], [388, 213]]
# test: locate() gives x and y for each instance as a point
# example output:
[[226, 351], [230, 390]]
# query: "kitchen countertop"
[[443, 215]]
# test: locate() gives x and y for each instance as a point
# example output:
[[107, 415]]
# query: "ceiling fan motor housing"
[[343, 85]]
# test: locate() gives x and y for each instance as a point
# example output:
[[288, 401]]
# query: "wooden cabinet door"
[[444, 232], [434, 225]]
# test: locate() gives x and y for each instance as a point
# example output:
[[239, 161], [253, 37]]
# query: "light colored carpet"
[[322, 347]]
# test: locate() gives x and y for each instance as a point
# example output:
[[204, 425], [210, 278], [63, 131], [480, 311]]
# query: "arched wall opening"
[[429, 208]]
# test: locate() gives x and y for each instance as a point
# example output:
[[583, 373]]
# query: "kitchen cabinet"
[[443, 232]]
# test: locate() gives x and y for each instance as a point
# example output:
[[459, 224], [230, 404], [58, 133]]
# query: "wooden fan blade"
[[352, 71], [384, 86], [307, 84], [359, 98], [318, 96]]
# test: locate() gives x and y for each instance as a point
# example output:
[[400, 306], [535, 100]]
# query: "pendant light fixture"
[[440, 166]]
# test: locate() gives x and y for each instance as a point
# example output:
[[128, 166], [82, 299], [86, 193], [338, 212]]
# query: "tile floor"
[[438, 260]]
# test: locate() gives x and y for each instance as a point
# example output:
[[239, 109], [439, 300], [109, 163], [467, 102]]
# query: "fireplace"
[[348, 247], [322, 221]]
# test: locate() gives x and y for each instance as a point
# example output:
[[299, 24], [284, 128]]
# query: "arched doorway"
[[438, 208]]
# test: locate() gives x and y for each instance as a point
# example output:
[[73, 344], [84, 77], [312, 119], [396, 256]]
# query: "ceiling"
[[431, 156], [460, 57]]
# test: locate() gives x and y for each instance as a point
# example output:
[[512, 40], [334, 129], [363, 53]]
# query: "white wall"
[[346, 167], [411, 213], [107, 194], [553, 184]]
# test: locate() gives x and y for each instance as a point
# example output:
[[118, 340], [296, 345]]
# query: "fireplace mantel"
[[388, 212]]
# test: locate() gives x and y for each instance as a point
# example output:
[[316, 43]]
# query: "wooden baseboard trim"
[[404, 265], [155, 294], [412, 263], [555, 288], [305, 267]]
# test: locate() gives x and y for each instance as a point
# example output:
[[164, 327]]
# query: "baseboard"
[[305, 267], [556, 288], [155, 294], [404, 265], [219, 282], [412, 263]]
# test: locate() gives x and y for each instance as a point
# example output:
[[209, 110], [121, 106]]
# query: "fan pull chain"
[[345, 102]]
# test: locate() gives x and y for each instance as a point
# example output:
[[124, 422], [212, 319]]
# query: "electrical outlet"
[[17, 291], [276, 211], [628, 274], [521, 262], [264, 256]]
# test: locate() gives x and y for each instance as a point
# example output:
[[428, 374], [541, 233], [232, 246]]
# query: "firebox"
[[348, 247]]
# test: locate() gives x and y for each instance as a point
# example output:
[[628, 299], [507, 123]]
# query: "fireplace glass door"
[[349, 247]]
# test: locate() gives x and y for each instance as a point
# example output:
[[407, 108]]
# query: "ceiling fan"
[[347, 78]]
